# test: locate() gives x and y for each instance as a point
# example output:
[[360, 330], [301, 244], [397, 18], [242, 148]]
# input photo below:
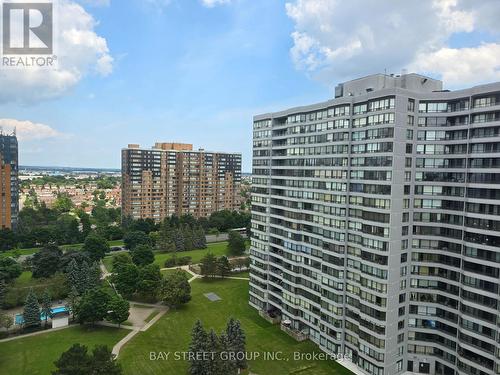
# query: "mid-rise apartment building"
[[173, 179], [376, 225], [9, 183]]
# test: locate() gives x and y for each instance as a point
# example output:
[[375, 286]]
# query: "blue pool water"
[[59, 309]]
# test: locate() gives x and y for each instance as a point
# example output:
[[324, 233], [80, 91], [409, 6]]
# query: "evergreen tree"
[[31, 313], [72, 300], [237, 341], [178, 238], [223, 266], [188, 238], [83, 282], [73, 274], [94, 279], [46, 306], [226, 366], [198, 345], [74, 361], [3, 290], [103, 362], [201, 238], [213, 366]]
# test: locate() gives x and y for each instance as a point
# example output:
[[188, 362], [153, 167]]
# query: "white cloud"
[[213, 3], [80, 51], [96, 3], [27, 130], [336, 39], [457, 65]]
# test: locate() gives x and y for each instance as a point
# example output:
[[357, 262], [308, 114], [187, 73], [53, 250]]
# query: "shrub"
[[174, 261]]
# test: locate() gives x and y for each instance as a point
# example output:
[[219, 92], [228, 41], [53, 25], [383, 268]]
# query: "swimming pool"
[[55, 310]]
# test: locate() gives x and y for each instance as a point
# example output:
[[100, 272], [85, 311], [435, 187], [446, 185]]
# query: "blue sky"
[[186, 72]]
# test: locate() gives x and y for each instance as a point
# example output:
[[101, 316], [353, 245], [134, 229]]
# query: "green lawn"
[[171, 271], [35, 355], [24, 280], [216, 248], [172, 333]]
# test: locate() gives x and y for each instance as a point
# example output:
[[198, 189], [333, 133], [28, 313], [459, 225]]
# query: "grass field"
[[216, 248], [33, 250], [171, 271], [35, 355], [172, 333]]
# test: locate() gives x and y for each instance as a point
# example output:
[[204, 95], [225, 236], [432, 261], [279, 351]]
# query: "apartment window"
[[411, 120], [408, 162], [411, 105], [409, 148], [409, 134], [404, 257], [401, 338]]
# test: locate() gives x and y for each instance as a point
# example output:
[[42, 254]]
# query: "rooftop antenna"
[[385, 75], [15, 131]]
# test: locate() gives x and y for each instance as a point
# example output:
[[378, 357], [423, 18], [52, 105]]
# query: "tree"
[[8, 239], [175, 289], [74, 361], [9, 269], [118, 309], [46, 306], [126, 278], [135, 238], [46, 262], [103, 362], [236, 244], [121, 259], [237, 342], [208, 265], [73, 300], [226, 366], [6, 321], [3, 290], [31, 313], [63, 203], [142, 255], [92, 307], [95, 246], [223, 266], [199, 337], [149, 280]]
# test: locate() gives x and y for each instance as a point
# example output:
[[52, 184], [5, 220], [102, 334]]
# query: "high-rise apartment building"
[[172, 178], [376, 225], [9, 183]]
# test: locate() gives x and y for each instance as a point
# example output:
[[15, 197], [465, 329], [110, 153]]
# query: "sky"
[[197, 71]]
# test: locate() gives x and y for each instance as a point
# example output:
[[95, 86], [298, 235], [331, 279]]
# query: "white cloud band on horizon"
[[29, 131]]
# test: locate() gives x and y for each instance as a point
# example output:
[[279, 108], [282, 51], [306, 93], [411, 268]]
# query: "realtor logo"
[[27, 28]]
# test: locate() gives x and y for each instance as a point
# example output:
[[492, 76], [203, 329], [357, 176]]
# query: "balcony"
[[296, 334], [270, 317]]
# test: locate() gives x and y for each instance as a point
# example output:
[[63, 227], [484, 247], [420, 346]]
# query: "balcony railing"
[[297, 335]]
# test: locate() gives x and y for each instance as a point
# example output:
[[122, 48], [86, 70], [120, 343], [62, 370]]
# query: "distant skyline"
[[196, 71]]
